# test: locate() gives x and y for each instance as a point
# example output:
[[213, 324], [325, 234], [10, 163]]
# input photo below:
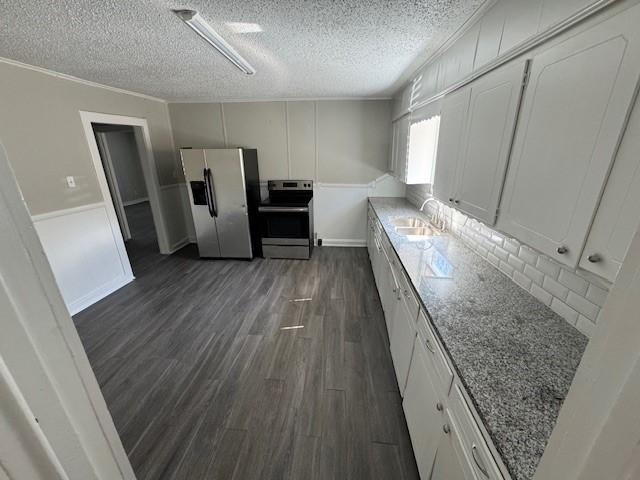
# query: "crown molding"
[[82, 81], [277, 99]]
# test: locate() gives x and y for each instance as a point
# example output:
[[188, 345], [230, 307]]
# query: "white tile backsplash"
[[574, 295]]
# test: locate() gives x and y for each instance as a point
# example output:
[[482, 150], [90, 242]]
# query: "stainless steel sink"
[[409, 222], [425, 231]]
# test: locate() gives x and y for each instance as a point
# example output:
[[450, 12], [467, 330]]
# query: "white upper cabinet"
[[426, 84], [457, 61], [476, 131], [490, 34], [402, 101], [453, 117], [392, 156], [401, 149], [572, 118], [491, 120], [618, 215], [521, 22], [554, 11]]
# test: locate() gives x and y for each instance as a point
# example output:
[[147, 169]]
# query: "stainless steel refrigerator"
[[224, 193]]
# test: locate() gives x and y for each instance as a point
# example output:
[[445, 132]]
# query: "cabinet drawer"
[[443, 373], [409, 297], [474, 447]]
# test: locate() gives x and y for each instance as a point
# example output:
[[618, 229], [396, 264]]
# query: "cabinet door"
[[490, 34], [403, 334], [394, 141], [388, 290], [402, 148], [521, 22], [423, 409], [491, 119], [376, 260], [618, 215], [573, 115], [554, 11], [450, 463], [452, 123]]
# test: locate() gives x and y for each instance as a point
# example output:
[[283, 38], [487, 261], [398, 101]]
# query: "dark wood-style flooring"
[[270, 369]]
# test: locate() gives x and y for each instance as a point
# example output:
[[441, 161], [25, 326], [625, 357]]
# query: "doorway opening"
[[121, 151], [122, 166]]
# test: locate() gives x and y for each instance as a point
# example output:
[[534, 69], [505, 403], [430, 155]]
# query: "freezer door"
[[231, 201], [194, 165]]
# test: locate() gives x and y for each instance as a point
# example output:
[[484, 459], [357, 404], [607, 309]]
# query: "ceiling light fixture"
[[202, 28], [242, 27]]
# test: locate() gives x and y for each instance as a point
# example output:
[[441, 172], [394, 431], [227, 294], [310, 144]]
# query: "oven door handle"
[[284, 209]]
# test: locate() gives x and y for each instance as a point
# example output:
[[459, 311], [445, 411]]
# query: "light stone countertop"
[[515, 356]]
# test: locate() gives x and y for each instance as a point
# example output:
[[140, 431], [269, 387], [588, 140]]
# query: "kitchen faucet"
[[435, 219]]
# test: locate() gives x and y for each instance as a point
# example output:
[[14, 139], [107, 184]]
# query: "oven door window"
[[285, 225]]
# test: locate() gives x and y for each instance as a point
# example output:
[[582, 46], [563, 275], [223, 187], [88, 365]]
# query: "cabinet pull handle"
[[451, 199], [427, 344], [456, 201], [439, 406], [595, 258], [562, 250], [446, 428], [406, 293], [478, 460]]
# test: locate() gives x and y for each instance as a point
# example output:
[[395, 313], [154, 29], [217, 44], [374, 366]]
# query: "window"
[[423, 147]]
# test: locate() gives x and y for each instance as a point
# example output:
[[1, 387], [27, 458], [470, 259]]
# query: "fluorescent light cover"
[[241, 27], [202, 28]]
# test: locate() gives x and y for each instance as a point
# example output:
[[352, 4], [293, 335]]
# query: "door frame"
[[60, 427], [112, 180], [149, 171]]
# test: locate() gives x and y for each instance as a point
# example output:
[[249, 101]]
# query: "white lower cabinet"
[[447, 441], [403, 335], [423, 408], [449, 462]]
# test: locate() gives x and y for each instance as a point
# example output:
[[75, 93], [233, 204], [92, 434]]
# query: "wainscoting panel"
[[174, 211], [340, 210], [84, 254]]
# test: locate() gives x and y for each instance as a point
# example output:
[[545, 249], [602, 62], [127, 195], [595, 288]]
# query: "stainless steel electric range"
[[286, 219]]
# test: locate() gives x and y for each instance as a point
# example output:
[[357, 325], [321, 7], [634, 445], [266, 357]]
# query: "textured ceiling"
[[307, 49]]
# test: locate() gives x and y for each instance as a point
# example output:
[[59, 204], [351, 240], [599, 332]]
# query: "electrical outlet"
[[71, 182]]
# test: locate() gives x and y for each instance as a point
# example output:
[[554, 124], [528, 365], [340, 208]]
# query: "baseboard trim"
[[343, 242], [179, 244], [98, 294], [135, 201]]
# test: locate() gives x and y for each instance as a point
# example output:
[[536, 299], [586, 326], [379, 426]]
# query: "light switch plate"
[[71, 182]]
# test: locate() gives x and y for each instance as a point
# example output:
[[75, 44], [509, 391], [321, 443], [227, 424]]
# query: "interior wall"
[[42, 133], [41, 129], [332, 141], [342, 145], [126, 165]]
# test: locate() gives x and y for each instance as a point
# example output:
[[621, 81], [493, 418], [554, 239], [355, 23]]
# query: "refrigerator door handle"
[[211, 198]]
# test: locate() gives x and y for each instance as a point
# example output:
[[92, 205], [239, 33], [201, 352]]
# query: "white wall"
[[342, 145], [126, 165]]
